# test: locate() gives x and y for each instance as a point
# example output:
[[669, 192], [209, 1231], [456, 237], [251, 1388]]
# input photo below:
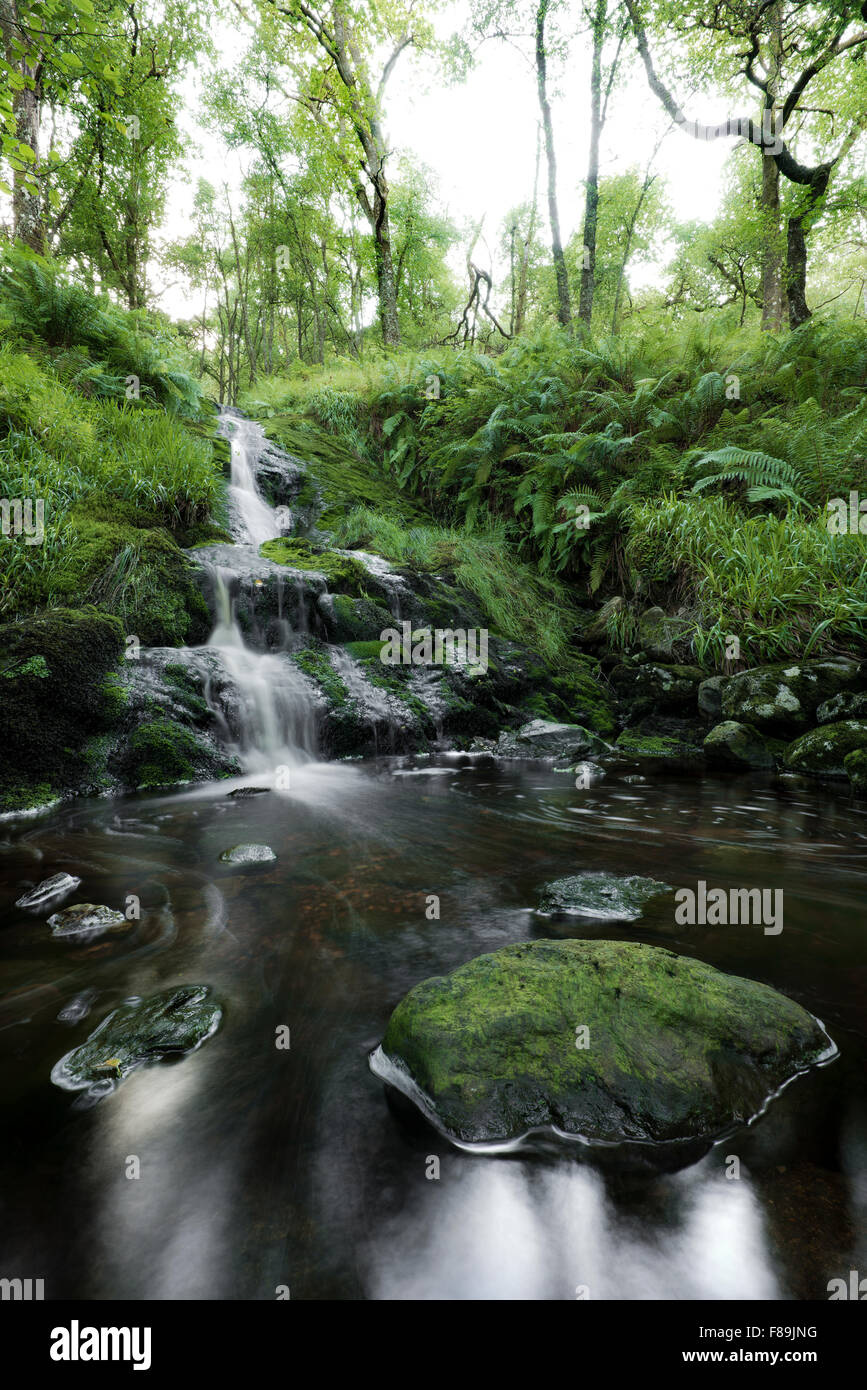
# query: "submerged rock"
[[739, 746], [248, 854], [605, 1040], [600, 897], [823, 751], [787, 695], [48, 890], [91, 919], [168, 1024]]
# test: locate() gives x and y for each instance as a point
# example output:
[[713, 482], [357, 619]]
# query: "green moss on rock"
[[676, 1049], [823, 751]]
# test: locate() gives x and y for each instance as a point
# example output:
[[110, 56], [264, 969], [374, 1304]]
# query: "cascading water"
[[274, 726]]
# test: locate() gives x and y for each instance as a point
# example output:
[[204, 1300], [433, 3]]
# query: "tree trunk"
[[564, 305], [772, 260], [523, 273], [591, 195], [385, 271]]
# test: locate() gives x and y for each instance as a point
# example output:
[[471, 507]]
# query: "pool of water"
[[265, 1168]]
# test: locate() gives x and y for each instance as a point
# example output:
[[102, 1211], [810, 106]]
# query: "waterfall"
[[274, 725], [252, 520]]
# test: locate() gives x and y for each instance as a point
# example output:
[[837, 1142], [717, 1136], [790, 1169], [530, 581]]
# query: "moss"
[[162, 753], [58, 693], [26, 798], [344, 480], [638, 745], [676, 1048], [823, 751], [341, 571], [187, 689], [134, 571], [314, 662], [367, 651]]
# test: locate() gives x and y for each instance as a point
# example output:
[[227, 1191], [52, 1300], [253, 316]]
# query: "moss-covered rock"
[[787, 695], [823, 751], [56, 694], [648, 687], [738, 746], [160, 754], [848, 704], [673, 1048], [163, 1026], [671, 751], [855, 764], [136, 572]]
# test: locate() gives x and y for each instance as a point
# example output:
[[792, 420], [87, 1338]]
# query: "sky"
[[479, 139]]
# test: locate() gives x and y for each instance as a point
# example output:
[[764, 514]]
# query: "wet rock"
[[823, 751], [652, 687], [738, 746], [542, 738], [78, 1007], [248, 854], [787, 695], [588, 774], [242, 793], [48, 890], [600, 897], [87, 919], [168, 1024], [673, 1048]]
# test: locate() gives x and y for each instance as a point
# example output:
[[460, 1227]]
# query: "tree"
[[779, 49], [601, 27], [331, 56]]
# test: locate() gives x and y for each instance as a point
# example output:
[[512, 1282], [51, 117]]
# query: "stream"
[[265, 1168]]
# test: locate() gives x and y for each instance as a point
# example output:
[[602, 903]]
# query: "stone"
[[855, 764], [738, 746], [48, 890], [543, 738], [90, 919], [787, 695], [599, 897], [822, 752], [605, 1040], [846, 704], [168, 1024], [248, 854], [710, 696]]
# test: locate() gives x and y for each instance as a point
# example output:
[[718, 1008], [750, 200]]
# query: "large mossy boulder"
[[674, 1050], [855, 764], [739, 747], [823, 752], [786, 696]]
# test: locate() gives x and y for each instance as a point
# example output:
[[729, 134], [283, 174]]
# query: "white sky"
[[480, 140]]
